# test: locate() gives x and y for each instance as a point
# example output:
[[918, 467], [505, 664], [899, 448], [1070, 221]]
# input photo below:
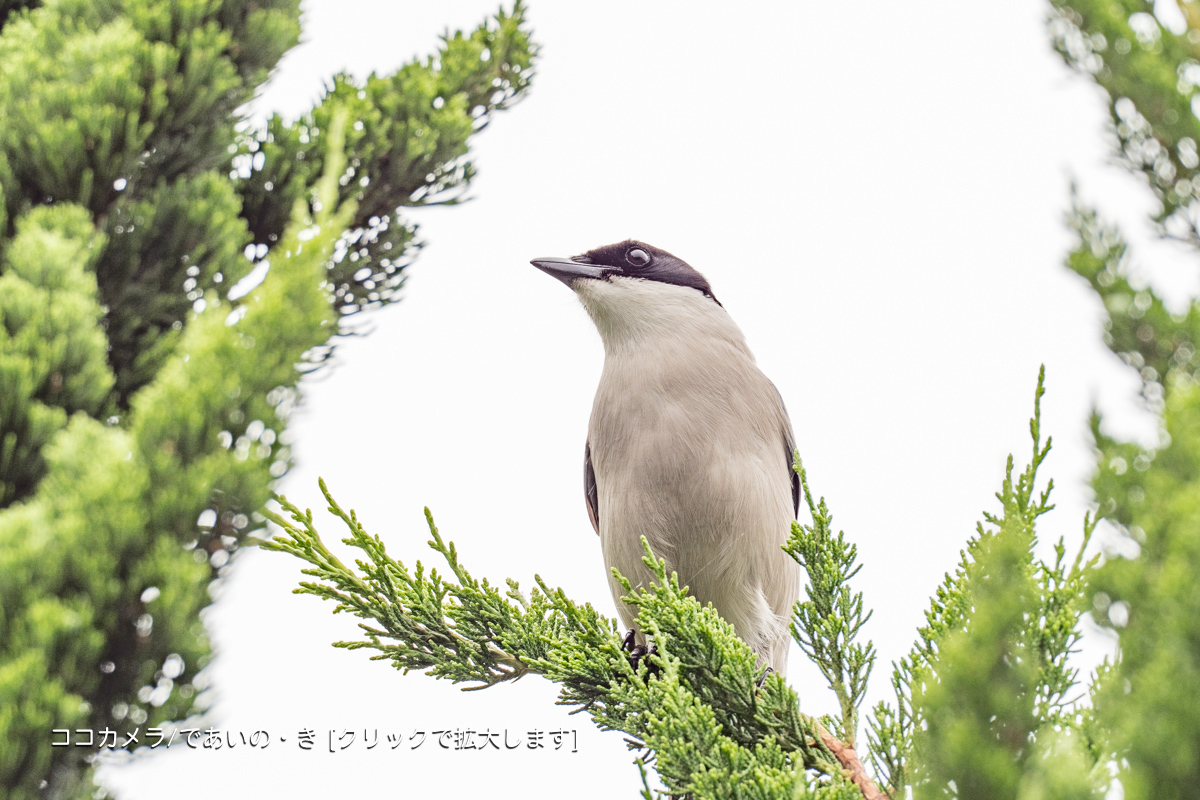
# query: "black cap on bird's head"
[[628, 259]]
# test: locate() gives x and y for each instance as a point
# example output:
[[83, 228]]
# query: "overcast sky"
[[875, 191]]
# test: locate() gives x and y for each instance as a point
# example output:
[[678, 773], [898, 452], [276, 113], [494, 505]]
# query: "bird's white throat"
[[631, 312]]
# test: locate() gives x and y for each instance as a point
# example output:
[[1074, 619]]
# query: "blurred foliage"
[[1147, 592], [144, 393], [407, 147], [1151, 75], [983, 701]]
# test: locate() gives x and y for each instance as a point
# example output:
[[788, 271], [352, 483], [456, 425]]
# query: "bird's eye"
[[638, 257]]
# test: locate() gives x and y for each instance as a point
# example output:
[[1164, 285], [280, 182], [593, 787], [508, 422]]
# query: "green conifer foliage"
[[985, 706], [1148, 591], [143, 404], [52, 349], [719, 727], [408, 144]]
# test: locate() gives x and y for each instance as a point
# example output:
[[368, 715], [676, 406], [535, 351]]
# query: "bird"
[[689, 444]]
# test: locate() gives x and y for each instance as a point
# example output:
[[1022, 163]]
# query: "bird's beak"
[[568, 270]]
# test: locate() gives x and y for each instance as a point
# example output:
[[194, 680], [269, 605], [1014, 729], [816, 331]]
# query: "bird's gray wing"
[[589, 488], [789, 452]]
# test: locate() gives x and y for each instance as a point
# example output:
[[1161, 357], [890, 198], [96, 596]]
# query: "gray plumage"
[[688, 444]]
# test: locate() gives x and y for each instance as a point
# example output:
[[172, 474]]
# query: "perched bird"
[[689, 444]]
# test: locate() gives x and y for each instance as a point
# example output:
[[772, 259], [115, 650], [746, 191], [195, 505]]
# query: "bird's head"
[[632, 288], [630, 259]]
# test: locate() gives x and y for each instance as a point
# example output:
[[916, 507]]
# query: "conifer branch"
[[992, 657], [856, 772], [828, 622], [989, 668], [712, 727]]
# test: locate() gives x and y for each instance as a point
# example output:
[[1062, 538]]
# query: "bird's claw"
[[763, 680], [637, 651]]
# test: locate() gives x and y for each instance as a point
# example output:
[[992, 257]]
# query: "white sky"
[[875, 191]]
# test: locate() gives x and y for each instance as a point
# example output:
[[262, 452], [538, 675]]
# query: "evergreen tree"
[[1150, 73], [146, 374]]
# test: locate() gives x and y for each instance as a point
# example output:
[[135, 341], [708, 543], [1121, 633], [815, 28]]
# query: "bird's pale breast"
[[687, 444]]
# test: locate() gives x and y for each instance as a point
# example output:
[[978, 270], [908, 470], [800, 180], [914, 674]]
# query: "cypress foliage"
[[984, 705], [1147, 590], [144, 391]]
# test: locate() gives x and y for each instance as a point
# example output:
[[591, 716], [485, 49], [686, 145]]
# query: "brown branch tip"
[[853, 768]]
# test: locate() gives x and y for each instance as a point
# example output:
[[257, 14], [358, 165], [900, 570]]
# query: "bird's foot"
[[637, 651], [763, 680]]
